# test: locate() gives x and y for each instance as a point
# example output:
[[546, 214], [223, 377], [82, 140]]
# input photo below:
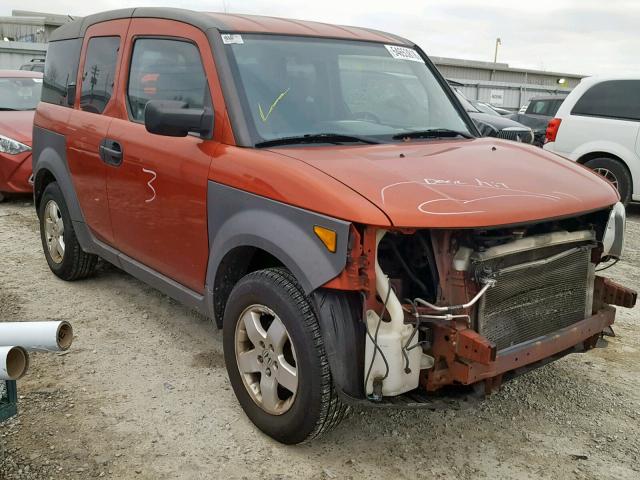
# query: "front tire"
[[64, 255], [614, 171], [275, 357]]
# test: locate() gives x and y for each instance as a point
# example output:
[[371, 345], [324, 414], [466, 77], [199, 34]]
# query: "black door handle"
[[111, 152]]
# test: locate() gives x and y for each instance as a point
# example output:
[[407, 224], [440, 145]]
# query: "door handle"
[[111, 152]]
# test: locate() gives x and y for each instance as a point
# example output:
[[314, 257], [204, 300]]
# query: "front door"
[[158, 193], [94, 108]]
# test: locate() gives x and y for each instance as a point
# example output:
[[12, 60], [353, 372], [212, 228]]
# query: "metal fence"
[[506, 95]]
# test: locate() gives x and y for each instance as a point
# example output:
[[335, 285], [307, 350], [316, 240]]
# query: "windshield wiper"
[[335, 138], [432, 133]]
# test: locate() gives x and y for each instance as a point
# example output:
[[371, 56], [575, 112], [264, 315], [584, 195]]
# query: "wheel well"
[[44, 178], [236, 264], [590, 156]]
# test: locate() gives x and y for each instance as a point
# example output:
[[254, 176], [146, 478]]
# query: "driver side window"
[[164, 69]]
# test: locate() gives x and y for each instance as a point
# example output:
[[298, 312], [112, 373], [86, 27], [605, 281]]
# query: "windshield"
[[293, 86], [19, 93]]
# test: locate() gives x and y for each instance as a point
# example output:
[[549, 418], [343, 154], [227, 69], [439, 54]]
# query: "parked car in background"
[[500, 110], [537, 114], [484, 107], [35, 65], [19, 96], [494, 124], [491, 109], [598, 125]]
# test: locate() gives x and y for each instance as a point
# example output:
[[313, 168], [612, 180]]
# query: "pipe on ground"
[[47, 336], [14, 362]]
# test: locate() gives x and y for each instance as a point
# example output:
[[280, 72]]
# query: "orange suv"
[[319, 191]]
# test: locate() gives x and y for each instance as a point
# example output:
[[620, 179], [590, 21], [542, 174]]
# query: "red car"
[[19, 96]]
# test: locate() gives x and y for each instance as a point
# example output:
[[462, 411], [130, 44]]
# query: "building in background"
[[24, 36], [501, 85]]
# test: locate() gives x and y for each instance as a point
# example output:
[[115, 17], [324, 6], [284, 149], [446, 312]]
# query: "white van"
[[598, 125]]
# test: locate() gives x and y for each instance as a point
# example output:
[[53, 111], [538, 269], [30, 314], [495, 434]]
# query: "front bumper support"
[[535, 350]]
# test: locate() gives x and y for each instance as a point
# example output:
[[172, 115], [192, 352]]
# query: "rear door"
[[158, 193], [94, 108]]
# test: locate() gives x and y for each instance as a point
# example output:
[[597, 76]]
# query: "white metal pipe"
[[14, 362], [47, 336], [490, 283]]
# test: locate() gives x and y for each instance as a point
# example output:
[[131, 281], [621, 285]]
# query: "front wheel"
[[275, 357]]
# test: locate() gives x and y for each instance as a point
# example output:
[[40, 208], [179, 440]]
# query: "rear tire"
[[261, 299], [616, 172], [64, 255]]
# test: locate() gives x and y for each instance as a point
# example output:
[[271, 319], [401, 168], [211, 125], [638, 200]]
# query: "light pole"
[[495, 55]]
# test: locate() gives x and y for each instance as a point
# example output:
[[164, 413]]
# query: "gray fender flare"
[[49, 153], [240, 219]]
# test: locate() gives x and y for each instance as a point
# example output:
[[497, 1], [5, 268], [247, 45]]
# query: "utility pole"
[[495, 55], [495, 58]]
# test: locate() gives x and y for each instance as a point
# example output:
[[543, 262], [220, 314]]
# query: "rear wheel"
[[276, 359], [64, 255], [614, 171]]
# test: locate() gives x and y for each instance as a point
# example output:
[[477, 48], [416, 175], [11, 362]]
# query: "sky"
[[590, 37]]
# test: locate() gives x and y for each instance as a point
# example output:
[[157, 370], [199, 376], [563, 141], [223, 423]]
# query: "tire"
[[314, 408], [616, 172], [2, 197], [70, 262]]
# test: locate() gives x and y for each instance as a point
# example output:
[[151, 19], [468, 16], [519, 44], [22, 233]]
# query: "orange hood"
[[462, 183]]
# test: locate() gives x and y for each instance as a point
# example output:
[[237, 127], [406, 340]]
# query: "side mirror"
[[173, 119], [485, 129], [71, 94]]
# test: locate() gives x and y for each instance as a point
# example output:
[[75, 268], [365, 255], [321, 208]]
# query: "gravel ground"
[[143, 394]]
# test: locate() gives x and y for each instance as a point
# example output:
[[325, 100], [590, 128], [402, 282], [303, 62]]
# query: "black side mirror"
[[71, 94], [173, 119]]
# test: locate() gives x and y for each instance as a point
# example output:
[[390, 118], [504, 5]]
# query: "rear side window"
[[98, 75], [539, 107], [612, 99], [61, 69], [164, 69]]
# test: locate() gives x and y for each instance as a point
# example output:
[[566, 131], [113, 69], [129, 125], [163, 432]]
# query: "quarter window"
[[98, 75], [61, 70], [163, 69], [612, 99]]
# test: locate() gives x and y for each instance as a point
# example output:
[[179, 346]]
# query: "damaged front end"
[[473, 307]]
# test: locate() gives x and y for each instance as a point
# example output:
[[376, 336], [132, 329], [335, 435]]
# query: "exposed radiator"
[[537, 292]]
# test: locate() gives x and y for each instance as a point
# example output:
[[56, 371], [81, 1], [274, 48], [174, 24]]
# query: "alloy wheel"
[[608, 174], [54, 231], [266, 359]]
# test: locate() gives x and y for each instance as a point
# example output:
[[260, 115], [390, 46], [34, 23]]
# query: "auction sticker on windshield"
[[228, 39], [403, 53]]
